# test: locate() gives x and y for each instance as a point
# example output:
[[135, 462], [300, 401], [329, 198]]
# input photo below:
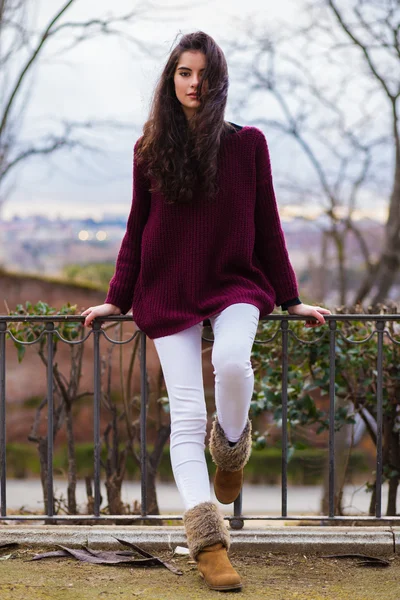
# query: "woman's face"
[[188, 72]]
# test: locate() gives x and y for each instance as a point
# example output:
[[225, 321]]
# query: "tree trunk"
[[366, 285], [341, 461], [71, 490], [153, 462], [89, 494], [394, 465], [42, 449], [321, 270], [389, 267], [115, 469], [388, 454], [391, 505], [388, 264], [387, 426], [339, 239], [113, 487], [152, 502], [372, 504]]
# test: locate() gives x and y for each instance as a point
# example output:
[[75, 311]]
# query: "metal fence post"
[[50, 419], [380, 326], [332, 397], [285, 335], [143, 416], [96, 415]]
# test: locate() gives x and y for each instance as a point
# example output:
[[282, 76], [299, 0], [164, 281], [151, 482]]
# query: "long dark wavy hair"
[[182, 159]]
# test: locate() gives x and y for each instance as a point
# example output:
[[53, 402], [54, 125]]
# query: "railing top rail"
[[58, 318]]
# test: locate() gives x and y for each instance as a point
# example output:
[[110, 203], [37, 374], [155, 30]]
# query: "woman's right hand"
[[102, 310]]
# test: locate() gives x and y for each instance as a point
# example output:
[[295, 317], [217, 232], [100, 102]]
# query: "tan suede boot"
[[208, 541], [227, 485], [214, 565], [230, 461]]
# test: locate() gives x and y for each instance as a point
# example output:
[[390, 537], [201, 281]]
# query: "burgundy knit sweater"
[[182, 263]]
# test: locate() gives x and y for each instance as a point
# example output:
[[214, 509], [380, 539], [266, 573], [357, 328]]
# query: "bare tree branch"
[[355, 39], [25, 49], [52, 143], [313, 116], [45, 35]]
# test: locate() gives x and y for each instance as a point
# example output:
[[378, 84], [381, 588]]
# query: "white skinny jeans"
[[181, 361]]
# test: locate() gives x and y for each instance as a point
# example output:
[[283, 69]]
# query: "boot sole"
[[230, 501], [226, 501], [222, 588]]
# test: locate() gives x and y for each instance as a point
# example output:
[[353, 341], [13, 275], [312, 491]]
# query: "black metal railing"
[[50, 332]]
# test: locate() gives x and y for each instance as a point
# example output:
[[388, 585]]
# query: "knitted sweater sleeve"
[[122, 284], [270, 245]]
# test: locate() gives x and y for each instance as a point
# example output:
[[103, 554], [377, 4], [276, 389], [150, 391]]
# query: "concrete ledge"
[[316, 540], [320, 540], [396, 535]]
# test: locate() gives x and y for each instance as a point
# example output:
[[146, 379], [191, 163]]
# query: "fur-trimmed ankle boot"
[[208, 542], [230, 461]]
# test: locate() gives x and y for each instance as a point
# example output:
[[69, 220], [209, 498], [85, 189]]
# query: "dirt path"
[[271, 576]]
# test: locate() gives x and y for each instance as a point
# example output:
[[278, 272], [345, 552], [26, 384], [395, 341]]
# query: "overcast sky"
[[105, 78]]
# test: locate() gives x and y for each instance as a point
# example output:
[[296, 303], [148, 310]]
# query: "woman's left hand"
[[305, 310]]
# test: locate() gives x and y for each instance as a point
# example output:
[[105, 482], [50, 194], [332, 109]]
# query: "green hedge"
[[305, 467]]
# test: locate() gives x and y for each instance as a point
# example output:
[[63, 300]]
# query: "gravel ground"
[[270, 576]]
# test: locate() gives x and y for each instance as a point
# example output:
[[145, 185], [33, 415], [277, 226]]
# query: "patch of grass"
[[51, 279], [32, 402], [95, 273], [305, 468], [22, 460]]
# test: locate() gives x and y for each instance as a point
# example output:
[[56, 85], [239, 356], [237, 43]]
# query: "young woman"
[[203, 241]]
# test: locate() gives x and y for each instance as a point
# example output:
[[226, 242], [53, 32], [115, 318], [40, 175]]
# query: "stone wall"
[[26, 381]]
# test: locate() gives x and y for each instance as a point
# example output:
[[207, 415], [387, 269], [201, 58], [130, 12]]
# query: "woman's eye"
[[184, 74]]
